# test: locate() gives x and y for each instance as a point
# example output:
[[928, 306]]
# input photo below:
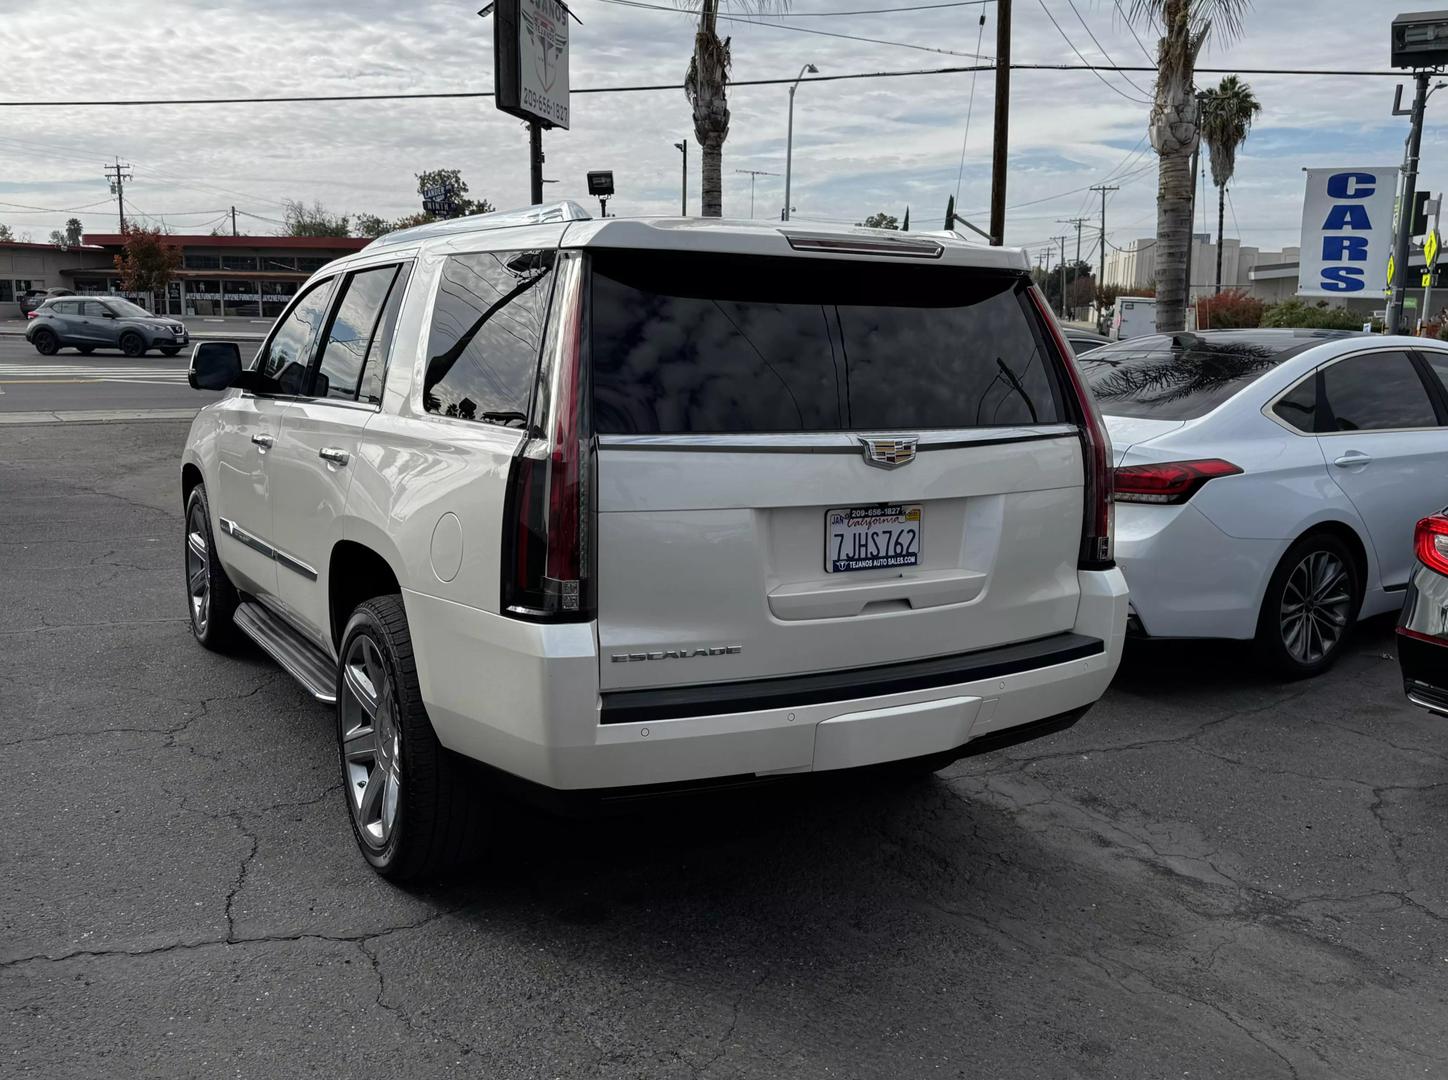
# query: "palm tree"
[[1185, 26], [704, 86], [1227, 112]]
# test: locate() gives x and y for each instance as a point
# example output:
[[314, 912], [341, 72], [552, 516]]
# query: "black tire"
[[1332, 606], [438, 820], [85, 349], [210, 616], [45, 342], [170, 350], [133, 344]]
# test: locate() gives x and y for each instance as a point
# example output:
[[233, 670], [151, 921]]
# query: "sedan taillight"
[[1430, 541], [1168, 482]]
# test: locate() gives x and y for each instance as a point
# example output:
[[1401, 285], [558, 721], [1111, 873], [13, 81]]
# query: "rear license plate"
[[872, 538]]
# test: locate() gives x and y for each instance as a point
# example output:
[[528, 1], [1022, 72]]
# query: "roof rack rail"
[[567, 210]]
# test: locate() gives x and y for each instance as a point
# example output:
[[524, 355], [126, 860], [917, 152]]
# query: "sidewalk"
[[201, 328]]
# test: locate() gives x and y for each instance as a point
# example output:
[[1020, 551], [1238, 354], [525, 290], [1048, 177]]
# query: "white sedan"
[[1268, 481]]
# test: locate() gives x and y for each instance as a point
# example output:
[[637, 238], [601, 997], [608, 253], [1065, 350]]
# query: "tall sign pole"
[[530, 71], [1002, 123], [1399, 281]]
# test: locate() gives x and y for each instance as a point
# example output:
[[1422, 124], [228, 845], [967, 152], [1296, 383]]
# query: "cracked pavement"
[[1212, 875]]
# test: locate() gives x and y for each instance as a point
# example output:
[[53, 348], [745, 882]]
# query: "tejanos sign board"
[[530, 52], [1347, 231]]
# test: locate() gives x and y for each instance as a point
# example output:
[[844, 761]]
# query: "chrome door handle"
[[332, 454], [1351, 458], [264, 441]]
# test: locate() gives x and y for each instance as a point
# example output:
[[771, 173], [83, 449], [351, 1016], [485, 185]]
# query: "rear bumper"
[[1187, 577], [1423, 641], [524, 698]]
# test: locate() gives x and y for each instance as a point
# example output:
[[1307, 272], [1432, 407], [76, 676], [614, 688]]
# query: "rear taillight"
[[1430, 540], [30, 314], [548, 535], [1168, 482], [1098, 520]]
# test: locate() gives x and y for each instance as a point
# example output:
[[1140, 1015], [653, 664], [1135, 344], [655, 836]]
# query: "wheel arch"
[[356, 572], [1355, 545], [190, 478]]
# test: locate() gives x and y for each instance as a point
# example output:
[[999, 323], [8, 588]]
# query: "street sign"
[[1430, 249], [1428, 280], [440, 200], [1392, 265], [530, 60]]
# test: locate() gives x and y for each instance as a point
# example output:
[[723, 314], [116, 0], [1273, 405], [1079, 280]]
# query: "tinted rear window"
[[1155, 379], [716, 344]]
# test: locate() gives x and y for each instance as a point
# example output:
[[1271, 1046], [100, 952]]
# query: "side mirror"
[[215, 365]]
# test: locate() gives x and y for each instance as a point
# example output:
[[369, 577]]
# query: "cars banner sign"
[[1347, 231]]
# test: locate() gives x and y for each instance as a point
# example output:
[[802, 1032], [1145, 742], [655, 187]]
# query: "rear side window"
[[1439, 363], [1377, 392], [487, 325], [1298, 406], [687, 343], [350, 337], [64, 307]]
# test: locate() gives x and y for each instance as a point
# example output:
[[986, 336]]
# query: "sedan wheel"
[[1315, 607], [1311, 603]]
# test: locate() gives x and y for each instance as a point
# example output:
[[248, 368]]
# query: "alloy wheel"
[[371, 742], [1316, 604], [198, 577]]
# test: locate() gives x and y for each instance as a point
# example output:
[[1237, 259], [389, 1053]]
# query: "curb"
[[94, 416], [196, 335]]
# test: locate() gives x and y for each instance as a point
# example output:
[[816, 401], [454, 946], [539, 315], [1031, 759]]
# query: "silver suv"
[[103, 322]]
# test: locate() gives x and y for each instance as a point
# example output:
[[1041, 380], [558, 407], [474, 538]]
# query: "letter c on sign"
[[1352, 185]]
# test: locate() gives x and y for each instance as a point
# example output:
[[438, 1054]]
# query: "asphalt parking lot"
[[1212, 875]]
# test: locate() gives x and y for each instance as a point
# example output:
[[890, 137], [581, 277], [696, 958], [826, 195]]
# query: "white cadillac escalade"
[[608, 505]]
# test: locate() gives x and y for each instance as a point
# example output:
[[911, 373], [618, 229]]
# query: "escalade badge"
[[890, 452]]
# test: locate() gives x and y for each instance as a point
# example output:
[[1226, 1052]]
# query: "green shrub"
[[1298, 314]]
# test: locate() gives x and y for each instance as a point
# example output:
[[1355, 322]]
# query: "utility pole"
[[1002, 123], [1078, 222], [117, 175], [1101, 275], [752, 173], [1062, 241], [233, 221], [1405, 205]]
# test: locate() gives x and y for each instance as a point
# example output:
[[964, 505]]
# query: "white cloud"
[[860, 146]]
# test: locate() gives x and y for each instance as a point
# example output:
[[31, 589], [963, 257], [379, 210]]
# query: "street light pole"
[[789, 139], [683, 148]]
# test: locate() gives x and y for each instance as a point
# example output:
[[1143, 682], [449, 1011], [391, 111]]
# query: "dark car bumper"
[[1423, 641]]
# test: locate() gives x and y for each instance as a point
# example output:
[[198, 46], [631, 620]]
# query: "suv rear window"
[[692, 343]]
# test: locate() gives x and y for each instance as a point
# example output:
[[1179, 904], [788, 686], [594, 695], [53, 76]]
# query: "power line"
[[28, 209], [1127, 19], [639, 4], [964, 69], [1067, 39], [862, 11], [1101, 48]]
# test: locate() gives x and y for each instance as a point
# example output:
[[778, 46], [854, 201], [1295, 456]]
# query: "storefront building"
[[25, 267], [224, 276]]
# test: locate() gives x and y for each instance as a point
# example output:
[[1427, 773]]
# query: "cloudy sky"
[[860, 145]]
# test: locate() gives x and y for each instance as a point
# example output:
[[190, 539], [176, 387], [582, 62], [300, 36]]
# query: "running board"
[[300, 659]]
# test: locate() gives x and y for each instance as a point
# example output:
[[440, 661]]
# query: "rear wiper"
[[1016, 383]]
